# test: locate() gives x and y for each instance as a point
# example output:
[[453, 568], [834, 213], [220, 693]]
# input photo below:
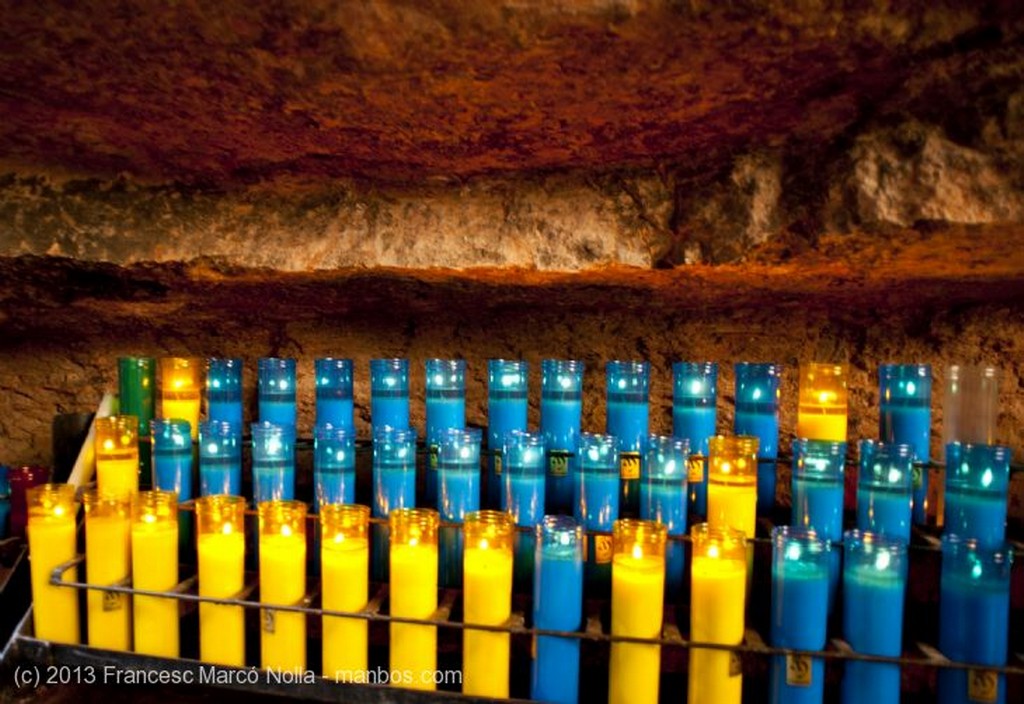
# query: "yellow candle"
[[487, 600], [282, 553], [718, 589], [220, 527], [732, 483], [107, 563], [117, 455], [413, 591], [51, 542], [821, 413], [181, 386], [638, 584], [155, 568], [345, 568]]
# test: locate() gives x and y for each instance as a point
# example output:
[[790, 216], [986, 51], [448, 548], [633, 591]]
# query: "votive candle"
[[413, 592], [334, 404], [524, 462], [220, 458], [334, 465], [136, 381], [561, 413], [273, 462], [694, 397], [977, 486], [885, 489], [507, 405], [282, 553], [757, 414], [181, 390], [627, 385], [117, 455], [732, 483], [394, 486], [663, 498], [970, 405], [389, 393], [51, 542], [154, 540], [345, 570], [172, 456], [818, 486], [445, 399], [597, 505], [224, 390], [276, 390], [822, 407], [220, 530], [108, 563], [459, 494], [906, 417]]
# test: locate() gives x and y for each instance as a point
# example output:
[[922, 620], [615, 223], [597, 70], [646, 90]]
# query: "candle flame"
[[483, 544], [713, 551], [286, 529], [638, 552], [227, 529], [58, 510]]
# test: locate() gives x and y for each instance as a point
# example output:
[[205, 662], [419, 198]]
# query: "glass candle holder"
[[181, 390], [459, 484], [557, 606], [597, 505], [276, 391], [822, 407], [136, 384], [445, 408], [224, 390], [5, 501], [389, 393], [117, 455], [413, 592], [172, 456], [220, 458], [663, 498], [334, 403], [273, 462], [21, 479], [801, 563], [487, 601], [718, 593], [561, 413], [627, 385], [694, 396], [282, 551], [107, 563], [757, 415], [345, 560], [732, 482], [394, 486], [334, 465], [507, 405], [154, 541], [906, 417], [970, 404], [524, 462], [818, 485], [885, 489], [220, 527], [51, 542], [874, 585], [638, 588], [977, 492], [974, 619]]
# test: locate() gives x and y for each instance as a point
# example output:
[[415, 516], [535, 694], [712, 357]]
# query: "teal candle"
[[885, 489], [273, 462], [977, 487], [220, 458], [627, 386], [663, 498], [389, 393], [224, 390], [905, 416], [818, 486], [172, 456], [334, 404], [334, 465], [507, 406], [757, 415], [694, 397], [445, 408], [394, 487], [597, 505], [136, 382], [524, 464], [277, 391], [561, 412], [458, 477]]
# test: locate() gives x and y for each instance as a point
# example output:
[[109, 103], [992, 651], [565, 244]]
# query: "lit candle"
[[977, 486], [445, 408], [172, 456], [507, 405], [282, 553], [155, 568], [220, 526], [394, 486], [389, 393], [874, 585], [974, 619], [459, 476], [718, 590], [821, 412], [334, 403], [345, 570], [524, 461], [224, 390], [181, 390], [638, 586], [51, 542], [597, 505], [561, 413], [108, 563], [273, 462], [818, 486], [757, 414], [117, 455], [220, 458], [663, 498], [732, 483], [413, 592], [885, 489], [334, 465], [276, 390], [906, 417], [626, 385], [694, 395], [136, 381], [487, 601]]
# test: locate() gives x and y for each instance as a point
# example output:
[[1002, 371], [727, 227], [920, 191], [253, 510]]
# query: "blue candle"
[[172, 456], [334, 465], [874, 583], [277, 391], [757, 414], [663, 498], [273, 462], [695, 393], [818, 485], [220, 458], [458, 471], [523, 461], [977, 486], [974, 617], [597, 505], [557, 606], [561, 412], [394, 486], [334, 393], [389, 393], [906, 417], [885, 489], [801, 561], [627, 386], [507, 404], [224, 390], [445, 408]]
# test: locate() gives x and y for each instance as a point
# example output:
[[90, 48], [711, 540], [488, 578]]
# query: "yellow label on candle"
[[695, 472], [982, 686], [629, 465], [497, 463], [602, 549], [917, 474], [558, 463], [433, 455], [798, 670]]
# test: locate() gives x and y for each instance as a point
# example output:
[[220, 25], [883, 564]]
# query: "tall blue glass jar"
[[977, 492], [445, 408], [273, 462], [885, 489], [172, 456], [597, 506], [627, 385], [523, 461], [394, 486], [663, 498], [507, 406], [389, 393], [694, 397], [220, 458], [561, 413], [458, 475], [334, 465], [905, 417], [277, 391], [224, 390], [818, 485], [757, 415], [334, 404]]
